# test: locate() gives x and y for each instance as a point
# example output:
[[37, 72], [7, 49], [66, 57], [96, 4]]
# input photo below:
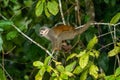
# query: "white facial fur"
[[44, 32]]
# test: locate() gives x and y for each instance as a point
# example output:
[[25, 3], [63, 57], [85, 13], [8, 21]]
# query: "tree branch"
[[13, 25], [60, 6]]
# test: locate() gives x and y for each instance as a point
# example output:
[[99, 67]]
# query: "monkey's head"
[[44, 31]]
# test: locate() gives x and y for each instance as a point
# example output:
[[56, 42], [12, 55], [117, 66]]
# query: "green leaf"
[[52, 7], [81, 53], [39, 8], [94, 71], [70, 67], [57, 63], [106, 1], [64, 76], [47, 12], [47, 60], [114, 52], [84, 60], [11, 35], [42, 71], [94, 53], [71, 56], [117, 72], [5, 22], [2, 75], [68, 73], [97, 53], [60, 68], [118, 78], [112, 77], [92, 42], [118, 43], [54, 75], [78, 70], [84, 75], [6, 2], [113, 2], [28, 3], [38, 76], [115, 19], [48, 68], [37, 64], [1, 30]]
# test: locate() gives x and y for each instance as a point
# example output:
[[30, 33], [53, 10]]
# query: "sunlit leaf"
[[70, 67], [2, 75], [118, 43], [47, 60], [77, 70], [84, 75], [81, 53], [111, 77], [42, 71], [117, 72], [11, 35], [114, 52], [55, 71], [57, 63], [53, 7], [54, 75], [96, 53], [68, 73], [91, 53], [84, 60], [38, 76], [94, 71], [47, 12], [60, 68], [48, 68], [37, 64], [115, 19], [118, 77], [39, 8], [71, 56], [92, 42], [64, 76]]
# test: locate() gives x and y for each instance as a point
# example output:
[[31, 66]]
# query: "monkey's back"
[[62, 28]]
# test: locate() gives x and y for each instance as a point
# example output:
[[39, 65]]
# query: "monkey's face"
[[44, 31]]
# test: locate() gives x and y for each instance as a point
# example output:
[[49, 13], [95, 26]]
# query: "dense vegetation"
[[94, 54]]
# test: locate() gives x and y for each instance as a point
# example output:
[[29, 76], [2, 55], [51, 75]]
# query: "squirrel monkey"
[[61, 32]]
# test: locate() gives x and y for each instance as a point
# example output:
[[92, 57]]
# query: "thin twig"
[[105, 34], [6, 72], [111, 33], [60, 6], [105, 24], [106, 45], [10, 50]]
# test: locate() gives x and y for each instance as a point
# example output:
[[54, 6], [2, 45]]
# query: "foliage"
[[94, 55]]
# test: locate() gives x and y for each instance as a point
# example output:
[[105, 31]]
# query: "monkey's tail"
[[90, 12]]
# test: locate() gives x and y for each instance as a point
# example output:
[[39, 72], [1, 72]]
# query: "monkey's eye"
[[42, 32]]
